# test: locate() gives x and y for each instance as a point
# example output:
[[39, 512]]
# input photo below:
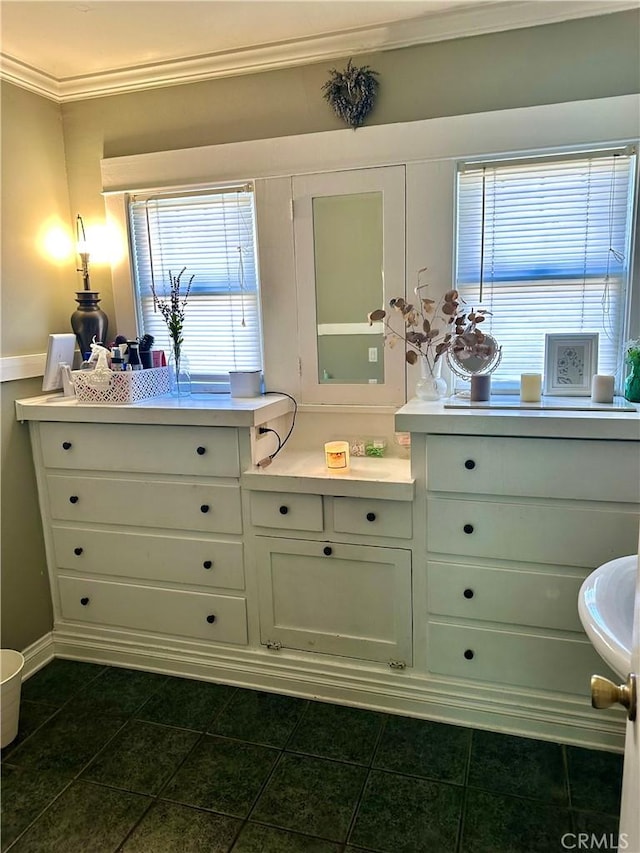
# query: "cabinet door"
[[348, 600], [349, 231]]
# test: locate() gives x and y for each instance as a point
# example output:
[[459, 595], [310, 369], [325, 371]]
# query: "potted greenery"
[[632, 360]]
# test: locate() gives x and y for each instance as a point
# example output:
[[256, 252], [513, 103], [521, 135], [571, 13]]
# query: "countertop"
[[305, 471], [554, 417], [194, 410]]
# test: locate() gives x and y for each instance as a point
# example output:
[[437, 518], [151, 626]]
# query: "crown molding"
[[464, 21]]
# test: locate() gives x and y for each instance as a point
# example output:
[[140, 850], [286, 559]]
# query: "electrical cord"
[[281, 442]]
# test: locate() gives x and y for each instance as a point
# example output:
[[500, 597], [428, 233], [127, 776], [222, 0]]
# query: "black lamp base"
[[88, 321]]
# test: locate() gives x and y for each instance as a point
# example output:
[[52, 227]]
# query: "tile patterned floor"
[[112, 760]]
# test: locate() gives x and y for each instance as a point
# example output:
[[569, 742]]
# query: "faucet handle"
[[605, 693]]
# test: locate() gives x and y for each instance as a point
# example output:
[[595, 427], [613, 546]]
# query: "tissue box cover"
[[123, 386]]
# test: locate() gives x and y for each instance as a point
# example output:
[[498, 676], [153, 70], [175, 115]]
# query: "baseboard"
[[37, 655], [525, 715]]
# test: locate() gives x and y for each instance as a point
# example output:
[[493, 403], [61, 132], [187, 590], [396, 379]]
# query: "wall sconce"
[[88, 321]]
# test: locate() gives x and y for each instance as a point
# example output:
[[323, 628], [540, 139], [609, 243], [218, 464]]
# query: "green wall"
[[576, 60]]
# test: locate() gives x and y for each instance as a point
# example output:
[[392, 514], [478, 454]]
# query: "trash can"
[[11, 664]]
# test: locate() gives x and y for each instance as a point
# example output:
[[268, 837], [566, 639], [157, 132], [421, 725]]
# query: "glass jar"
[[179, 374]]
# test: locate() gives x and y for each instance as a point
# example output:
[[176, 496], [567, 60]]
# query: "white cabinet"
[[513, 527], [324, 594], [143, 526]]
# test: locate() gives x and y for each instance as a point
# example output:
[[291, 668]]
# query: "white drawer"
[[208, 451], [372, 517], [507, 657], [529, 532], [173, 505], [148, 556], [286, 511], [535, 467], [542, 599], [219, 618]]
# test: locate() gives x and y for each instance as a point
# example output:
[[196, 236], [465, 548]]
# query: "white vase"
[[430, 385]]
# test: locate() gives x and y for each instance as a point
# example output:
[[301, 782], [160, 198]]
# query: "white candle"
[[336, 454], [530, 387], [602, 388]]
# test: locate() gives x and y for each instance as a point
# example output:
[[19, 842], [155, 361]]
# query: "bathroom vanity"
[[444, 586]]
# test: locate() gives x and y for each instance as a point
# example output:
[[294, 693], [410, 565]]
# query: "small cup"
[[480, 387], [530, 387], [602, 386]]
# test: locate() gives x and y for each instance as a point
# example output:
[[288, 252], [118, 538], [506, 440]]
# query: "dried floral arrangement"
[[351, 93], [435, 328], [172, 308]]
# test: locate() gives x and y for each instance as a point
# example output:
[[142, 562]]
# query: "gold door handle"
[[605, 693]]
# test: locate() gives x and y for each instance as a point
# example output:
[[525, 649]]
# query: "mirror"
[[476, 359], [348, 258]]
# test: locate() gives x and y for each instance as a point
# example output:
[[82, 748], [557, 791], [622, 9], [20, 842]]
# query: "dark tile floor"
[[112, 759]]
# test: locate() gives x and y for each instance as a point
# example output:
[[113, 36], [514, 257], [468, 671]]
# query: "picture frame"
[[570, 361], [60, 350]]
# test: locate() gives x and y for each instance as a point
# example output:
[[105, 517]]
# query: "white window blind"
[[212, 235], [547, 241]]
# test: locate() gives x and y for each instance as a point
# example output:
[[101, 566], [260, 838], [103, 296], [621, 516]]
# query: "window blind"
[[212, 235], [547, 241]]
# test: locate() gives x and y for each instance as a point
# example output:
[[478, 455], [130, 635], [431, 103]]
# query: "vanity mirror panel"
[[349, 247]]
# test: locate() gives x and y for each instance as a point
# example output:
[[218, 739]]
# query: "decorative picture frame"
[[570, 361]]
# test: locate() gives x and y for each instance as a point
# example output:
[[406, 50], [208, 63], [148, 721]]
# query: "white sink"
[[605, 605]]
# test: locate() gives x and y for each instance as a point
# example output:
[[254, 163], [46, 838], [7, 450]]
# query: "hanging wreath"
[[351, 93]]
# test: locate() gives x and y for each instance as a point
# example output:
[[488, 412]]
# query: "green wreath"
[[352, 93]]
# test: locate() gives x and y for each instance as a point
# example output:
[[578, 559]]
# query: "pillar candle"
[[530, 387], [602, 388], [336, 455]]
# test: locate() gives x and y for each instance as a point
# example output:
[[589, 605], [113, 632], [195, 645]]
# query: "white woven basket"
[[123, 387]]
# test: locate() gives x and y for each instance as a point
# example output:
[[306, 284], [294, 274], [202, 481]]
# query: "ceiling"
[[71, 50]]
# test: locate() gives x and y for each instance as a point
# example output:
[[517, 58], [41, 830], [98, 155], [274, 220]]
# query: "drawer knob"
[[211, 619], [84, 601], [204, 508], [469, 464], [201, 450], [284, 510], [207, 564], [73, 499], [468, 654], [468, 593], [327, 550], [371, 516], [468, 528], [78, 551], [66, 445]]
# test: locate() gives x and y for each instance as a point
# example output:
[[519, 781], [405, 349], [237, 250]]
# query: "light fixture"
[[88, 321], [82, 249]]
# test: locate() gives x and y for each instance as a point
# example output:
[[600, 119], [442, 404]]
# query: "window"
[[212, 234], [544, 244]]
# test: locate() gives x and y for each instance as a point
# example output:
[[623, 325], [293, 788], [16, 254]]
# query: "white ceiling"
[[70, 50]]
